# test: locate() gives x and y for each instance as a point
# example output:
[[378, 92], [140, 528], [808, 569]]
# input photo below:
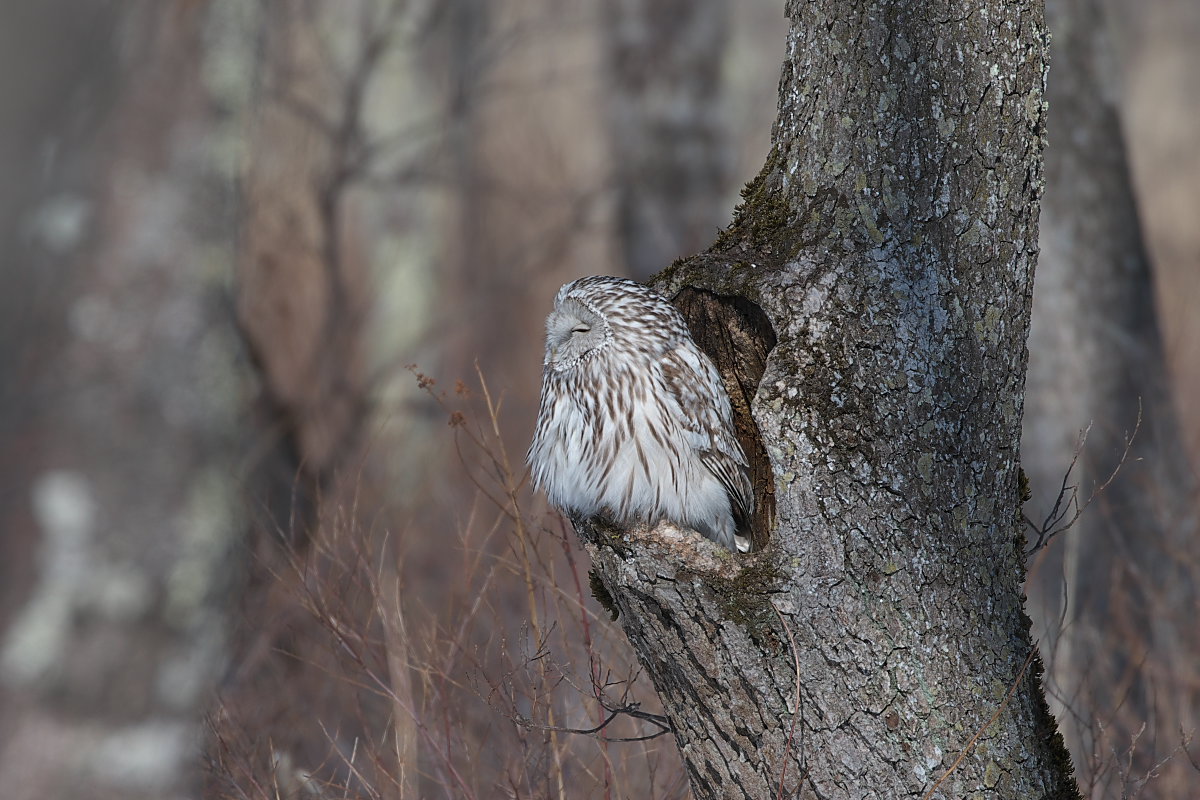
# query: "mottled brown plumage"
[[634, 422]]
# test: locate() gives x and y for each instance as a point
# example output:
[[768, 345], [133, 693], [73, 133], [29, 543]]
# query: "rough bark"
[[1108, 595], [664, 63], [890, 242], [118, 443]]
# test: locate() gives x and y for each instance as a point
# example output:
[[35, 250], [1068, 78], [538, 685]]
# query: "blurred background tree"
[[1107, 592], [119, 402], [227, 228]]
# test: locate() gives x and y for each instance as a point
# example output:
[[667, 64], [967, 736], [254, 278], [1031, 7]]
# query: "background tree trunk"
[[889, 242], [118, 402], [301, 275], [664, 63], [304, 295], [1107, 593]]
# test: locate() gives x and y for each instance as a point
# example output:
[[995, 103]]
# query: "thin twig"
[[1186, 740], [630, 710], [1067, 501], [1003, 705], [593, 663], [796, 713]]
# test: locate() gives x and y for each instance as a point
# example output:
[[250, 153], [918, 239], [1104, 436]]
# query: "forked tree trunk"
[[889, 242]]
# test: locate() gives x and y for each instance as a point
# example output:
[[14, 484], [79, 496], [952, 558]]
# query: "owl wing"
[[704, 413]]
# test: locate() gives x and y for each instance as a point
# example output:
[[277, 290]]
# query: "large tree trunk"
[[1108, 594], [889, 242]]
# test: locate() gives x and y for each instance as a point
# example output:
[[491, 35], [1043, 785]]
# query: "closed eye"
[[580, 329]]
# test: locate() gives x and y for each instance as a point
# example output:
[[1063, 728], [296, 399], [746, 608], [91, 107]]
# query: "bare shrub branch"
[[1056, 522]]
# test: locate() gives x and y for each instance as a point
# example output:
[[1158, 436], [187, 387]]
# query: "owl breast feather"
[[619, 448]]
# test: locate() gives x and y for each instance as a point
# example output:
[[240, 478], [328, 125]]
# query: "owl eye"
[[581, 329]]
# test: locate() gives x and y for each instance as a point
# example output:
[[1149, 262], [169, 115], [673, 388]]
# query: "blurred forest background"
[[271, 298]]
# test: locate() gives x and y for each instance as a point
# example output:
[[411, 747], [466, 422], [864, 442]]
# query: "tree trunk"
[[888, 246], [302, 277], [305, 293], [117, 413], [1108, 594], [664, 64]]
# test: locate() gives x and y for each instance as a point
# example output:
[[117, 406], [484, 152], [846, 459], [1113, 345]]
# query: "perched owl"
[[634, 422]]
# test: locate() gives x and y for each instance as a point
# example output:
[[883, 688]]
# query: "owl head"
[[599, 313], [575, 330]]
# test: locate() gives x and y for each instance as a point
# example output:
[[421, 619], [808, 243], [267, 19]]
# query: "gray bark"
[[888, 245], [671, 168], [1108, 596], [116, 413]]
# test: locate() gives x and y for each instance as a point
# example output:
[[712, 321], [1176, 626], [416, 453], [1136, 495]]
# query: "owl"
[[634, 423]]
